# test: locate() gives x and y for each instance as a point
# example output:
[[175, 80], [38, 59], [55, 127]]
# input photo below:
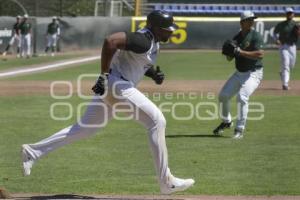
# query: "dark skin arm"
[[252, 54], [111, 44]]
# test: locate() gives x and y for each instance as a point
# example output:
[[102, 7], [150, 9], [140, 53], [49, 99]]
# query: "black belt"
[[253, 69]]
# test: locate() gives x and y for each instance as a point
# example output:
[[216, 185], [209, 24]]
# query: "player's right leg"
[[96, 116], [230, 88]]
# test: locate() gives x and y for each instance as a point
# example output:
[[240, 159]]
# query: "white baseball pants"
[[51, 40], [242, 84], [288, 60], [133, 103], [26, 44], [15, 39]]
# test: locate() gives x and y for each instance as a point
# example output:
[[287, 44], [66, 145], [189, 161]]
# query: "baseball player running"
[[286, 36], [15, 38], [25, 29], [126, 58], [53, 31], [246, 48]]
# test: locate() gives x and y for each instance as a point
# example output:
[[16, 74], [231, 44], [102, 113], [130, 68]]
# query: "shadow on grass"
[[61, 196], [197, 136]]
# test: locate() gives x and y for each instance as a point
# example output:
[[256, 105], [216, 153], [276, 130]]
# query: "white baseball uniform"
[[288, 50], [127, 69]]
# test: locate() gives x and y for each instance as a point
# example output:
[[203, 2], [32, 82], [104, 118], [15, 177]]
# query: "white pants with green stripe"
[[241, 84], [288, 60]]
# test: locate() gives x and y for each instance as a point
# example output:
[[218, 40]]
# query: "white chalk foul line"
[[51, 66]]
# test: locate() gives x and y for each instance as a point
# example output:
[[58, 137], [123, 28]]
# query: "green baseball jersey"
[[25, 28], [252, 41], [285, 31], [52, 28]]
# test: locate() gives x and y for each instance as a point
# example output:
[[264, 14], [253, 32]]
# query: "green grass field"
[[180, 66], [118, 160]]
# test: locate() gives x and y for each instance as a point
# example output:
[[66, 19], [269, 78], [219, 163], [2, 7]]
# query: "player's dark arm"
[[110, 46], [276, 34], [252, 54], [257, 51]]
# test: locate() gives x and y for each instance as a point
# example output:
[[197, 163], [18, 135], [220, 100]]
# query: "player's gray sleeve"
[[137, 42]]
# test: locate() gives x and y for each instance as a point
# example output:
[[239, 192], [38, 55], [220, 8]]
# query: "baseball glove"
[[230, 48], [296, 30], [157, 75], [100, 85]]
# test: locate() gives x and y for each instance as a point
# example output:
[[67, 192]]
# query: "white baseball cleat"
[[27, 160], [238, 134], [175, 185]]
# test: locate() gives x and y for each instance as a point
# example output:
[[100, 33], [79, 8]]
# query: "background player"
[[15, 38], [25, 30], [286, 36], [53, 31], [246, 48], [126, 57]]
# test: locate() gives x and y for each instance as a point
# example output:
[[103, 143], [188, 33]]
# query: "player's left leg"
[[148, 114], [18, 40], [53, 44], [249, 85], [28, 45], [293, 55], [285, 65], [22, 52]]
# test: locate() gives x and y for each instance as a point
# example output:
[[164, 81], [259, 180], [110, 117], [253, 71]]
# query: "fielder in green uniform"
[[246, 48], [53, 31], [25, 30], [286, 36]]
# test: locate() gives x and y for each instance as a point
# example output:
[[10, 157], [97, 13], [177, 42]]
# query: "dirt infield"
[[152, 197], [15, 88]]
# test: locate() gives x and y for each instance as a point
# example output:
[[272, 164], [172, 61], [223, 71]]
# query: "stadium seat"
[[194, 9]]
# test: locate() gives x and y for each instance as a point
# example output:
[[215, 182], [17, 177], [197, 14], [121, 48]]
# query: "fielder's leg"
[[11, 42], [22, 52], [285, 65], [230, 89], [249, 85], [18, 39], [28, 45], [48, 43], [293, 55], [96, 116]]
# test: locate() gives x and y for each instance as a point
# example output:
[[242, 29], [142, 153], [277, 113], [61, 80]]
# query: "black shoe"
[[221, 127], [285, 87]]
